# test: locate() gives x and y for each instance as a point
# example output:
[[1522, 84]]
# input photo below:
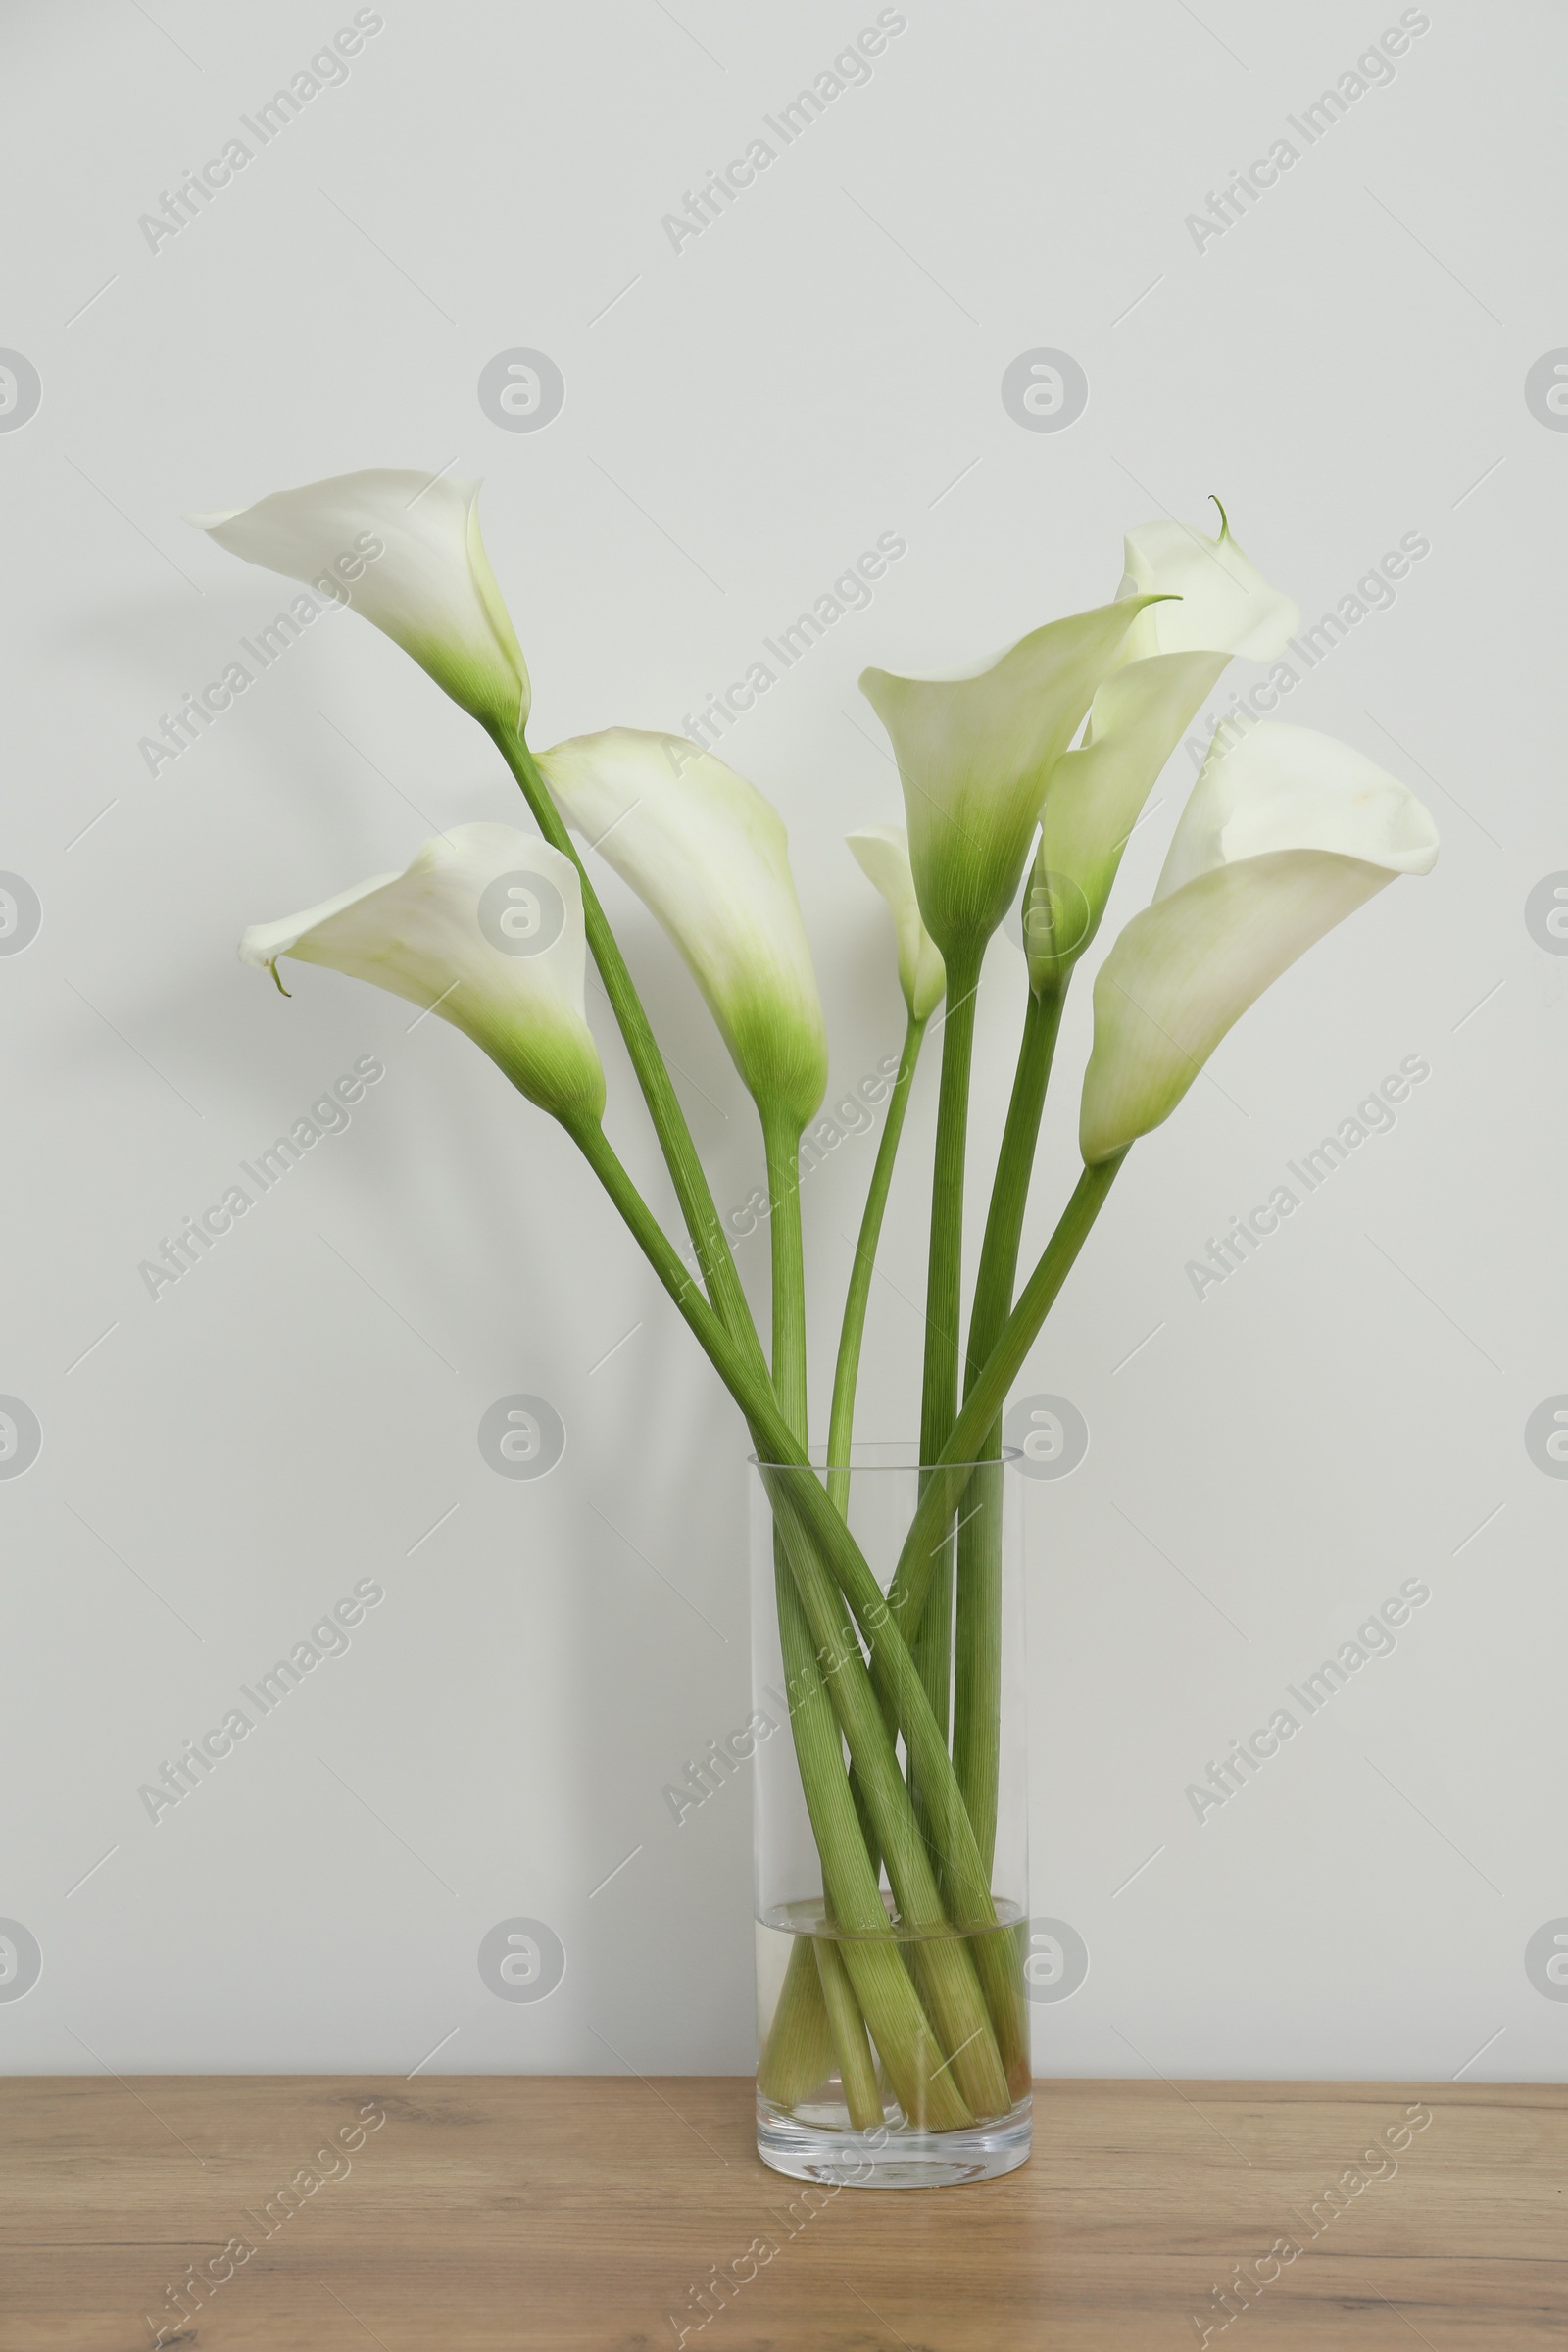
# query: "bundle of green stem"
[[930, 1985]]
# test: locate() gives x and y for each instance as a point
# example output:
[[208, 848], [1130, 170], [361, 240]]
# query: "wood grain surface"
[[544, 2211]]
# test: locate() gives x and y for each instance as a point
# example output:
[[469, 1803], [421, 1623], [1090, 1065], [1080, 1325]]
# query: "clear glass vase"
[[891, 1834]]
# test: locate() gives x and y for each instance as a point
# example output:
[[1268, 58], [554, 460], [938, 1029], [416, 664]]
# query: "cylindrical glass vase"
[[891, 1829]]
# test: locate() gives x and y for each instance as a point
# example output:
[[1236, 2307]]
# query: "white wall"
[[1343, 366]]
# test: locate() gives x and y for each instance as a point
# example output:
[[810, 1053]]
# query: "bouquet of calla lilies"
[[1028, 774]]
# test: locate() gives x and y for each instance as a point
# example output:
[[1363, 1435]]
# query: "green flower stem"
[[911, 2050], [806, 1992], [977, 1641], [882, 1983], [945, 1486], [944, 1972], [939, 1400], [841, 1424], [800, 2052], [709, 1239], [855, 2069], [903, 2038], [802, 2038], [1009, 1193], [782, 1143], [977, 1652], [802, 1504], [944, 1965], [915, 1848], [830, 1556]]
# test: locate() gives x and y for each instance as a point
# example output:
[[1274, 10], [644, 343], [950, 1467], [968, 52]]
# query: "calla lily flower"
[[1287, 832], [975, 755], [406, 552], [485, 928], [710, 857], [1225, 604], [882, 852], [1171, 659]]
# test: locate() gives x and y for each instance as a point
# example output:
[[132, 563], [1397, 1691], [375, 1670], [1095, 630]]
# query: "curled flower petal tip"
[[1216, 600]]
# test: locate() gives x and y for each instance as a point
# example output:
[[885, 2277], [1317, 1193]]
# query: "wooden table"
[[544, 2214]]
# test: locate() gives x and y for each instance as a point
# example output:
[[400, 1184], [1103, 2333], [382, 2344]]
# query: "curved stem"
[[709, 1239], [977, 1632], [841, 1423], [1009, 1192]]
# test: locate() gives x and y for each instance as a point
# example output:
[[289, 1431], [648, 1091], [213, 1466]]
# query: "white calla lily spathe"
[[405, 550], [708, 855], [975, 756], [1287, 832], [485, 928], [1225, 603], [1170, 661], [882, 852]]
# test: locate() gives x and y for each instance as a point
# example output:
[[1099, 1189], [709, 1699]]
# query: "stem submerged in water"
[[798, 2052], [856, 2071]]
